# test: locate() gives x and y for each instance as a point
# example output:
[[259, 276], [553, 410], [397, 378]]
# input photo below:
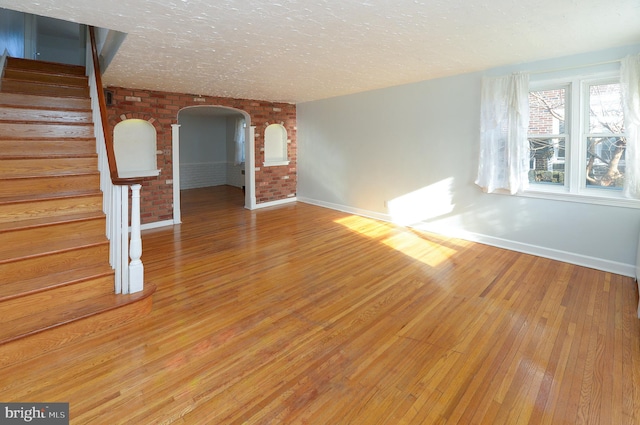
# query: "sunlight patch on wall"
[[428, 202], [406, 241]]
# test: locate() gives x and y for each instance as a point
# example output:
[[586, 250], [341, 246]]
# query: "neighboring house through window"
[[576, 135], [580, 145]]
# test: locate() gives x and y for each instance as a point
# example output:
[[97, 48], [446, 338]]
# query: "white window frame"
[[576, 127]]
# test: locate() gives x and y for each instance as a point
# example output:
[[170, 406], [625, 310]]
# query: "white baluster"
[[115, 231], [136, 269], [124, 238]]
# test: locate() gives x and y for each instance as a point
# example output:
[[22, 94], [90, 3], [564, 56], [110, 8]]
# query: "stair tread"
[[50, 220], [77, 173], [64, 313], [48, 156], [54, 269], [25, 114], [26, 287], [45, 66], [46, 77], [47, 197], [11, 85], [17, 148], [37, 167], [24, 242], [45, 131], [45, 102]]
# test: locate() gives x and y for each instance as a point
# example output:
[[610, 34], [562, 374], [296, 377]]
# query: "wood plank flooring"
[[302, 315]]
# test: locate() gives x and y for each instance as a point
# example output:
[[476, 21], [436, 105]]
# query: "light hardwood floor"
[[302, 315]]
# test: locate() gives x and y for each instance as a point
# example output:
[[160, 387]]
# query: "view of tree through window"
[[547, 137], [604, 139], [555, 147]]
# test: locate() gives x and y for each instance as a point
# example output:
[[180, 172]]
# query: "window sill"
[[613, 200], [274, 163]]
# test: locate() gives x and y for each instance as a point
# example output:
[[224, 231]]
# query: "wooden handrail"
[[108, 139]]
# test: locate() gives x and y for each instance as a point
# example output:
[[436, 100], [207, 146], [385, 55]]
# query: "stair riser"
[[14, 212], [46, 148], [53, 269], [17, 86], [44, 116], [44, 66], [36, 303], [40, 167], [13, 99], [13, 189], [47, 78], [45, 131], [48, 239]]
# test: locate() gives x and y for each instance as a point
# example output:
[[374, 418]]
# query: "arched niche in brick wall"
[[135, 147], [275, 145]]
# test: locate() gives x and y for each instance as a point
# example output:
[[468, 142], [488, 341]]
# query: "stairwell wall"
[[161, 109]]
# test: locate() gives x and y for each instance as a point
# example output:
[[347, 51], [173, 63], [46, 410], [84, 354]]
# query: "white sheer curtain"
[[239, 141], [630, 83], [504, 148]]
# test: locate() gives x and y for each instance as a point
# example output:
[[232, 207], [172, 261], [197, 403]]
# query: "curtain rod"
[[569, 68]]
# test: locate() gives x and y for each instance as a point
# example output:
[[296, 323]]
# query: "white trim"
[[249, 156], [275, 163], [156, 224], [275, 203], [175, 159], [540, 251], [574, 188], [3, 63], [249, 167], [582, 197], [346, 209]]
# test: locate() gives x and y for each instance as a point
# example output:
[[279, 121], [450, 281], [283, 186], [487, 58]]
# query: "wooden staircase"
[[56, 283]]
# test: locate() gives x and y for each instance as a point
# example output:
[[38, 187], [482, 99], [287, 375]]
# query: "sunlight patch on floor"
[[403, 240]]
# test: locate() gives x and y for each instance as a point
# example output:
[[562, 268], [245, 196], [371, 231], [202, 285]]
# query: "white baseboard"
[[540, 251], [274, 203], [156, 224]]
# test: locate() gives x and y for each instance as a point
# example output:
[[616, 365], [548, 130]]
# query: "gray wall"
[[417, 144], [203, 151], [12, 32], [207, 150]]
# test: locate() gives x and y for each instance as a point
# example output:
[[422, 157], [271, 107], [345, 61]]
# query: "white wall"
[[417, 144]]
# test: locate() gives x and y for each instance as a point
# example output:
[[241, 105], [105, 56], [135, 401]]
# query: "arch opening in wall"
[[205, 148], [275, 145]]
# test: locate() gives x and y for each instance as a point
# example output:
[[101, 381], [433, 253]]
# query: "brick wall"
[[161, 109]]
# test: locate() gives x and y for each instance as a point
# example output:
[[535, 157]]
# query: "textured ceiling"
[[301, 50]]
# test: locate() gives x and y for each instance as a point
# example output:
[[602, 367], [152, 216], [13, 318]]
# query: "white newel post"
[[136, 269]]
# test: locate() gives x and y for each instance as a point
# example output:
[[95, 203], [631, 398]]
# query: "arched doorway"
[[201, 126]]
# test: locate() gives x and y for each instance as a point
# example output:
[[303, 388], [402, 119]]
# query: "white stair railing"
[[129, 275]]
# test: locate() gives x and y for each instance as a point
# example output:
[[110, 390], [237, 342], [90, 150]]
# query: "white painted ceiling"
[[302, 50]]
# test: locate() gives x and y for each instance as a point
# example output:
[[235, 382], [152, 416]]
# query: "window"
[[576, 137]]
